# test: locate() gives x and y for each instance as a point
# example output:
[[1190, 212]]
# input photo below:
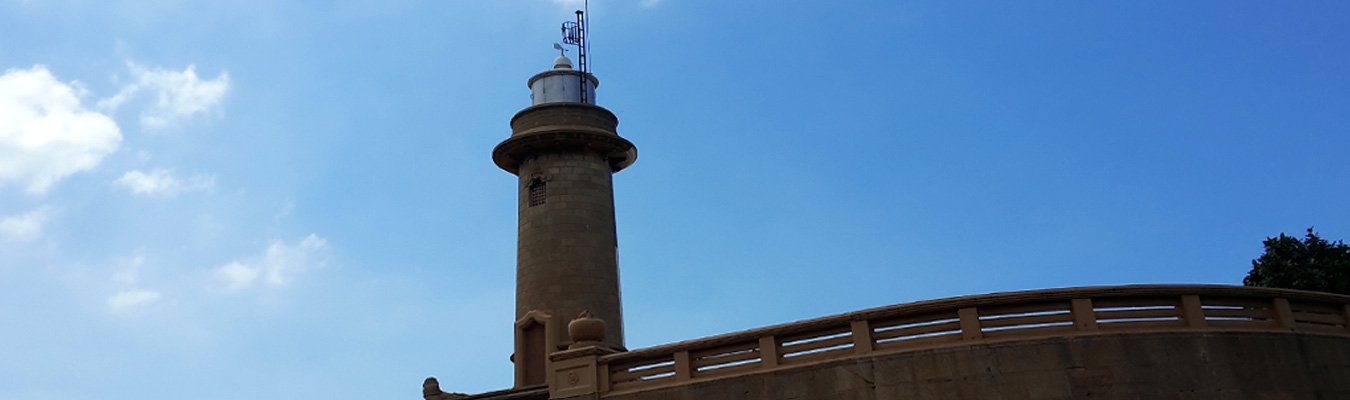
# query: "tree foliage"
[[1308, 264]]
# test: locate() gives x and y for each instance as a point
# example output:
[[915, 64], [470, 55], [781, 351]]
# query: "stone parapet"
[[983, 320], [1175, 365]]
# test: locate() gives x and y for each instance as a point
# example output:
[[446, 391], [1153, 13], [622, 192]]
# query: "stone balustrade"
[[957, 321]]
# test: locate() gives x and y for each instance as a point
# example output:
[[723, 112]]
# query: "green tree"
[[1309, 264]]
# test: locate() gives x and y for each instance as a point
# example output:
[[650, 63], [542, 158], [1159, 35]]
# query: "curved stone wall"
[[1182, 365]]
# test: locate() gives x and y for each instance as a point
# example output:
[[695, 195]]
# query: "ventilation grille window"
[[538, 192]]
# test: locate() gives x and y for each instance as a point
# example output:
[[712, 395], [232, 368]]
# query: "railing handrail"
[[955, 303], [957, 321]]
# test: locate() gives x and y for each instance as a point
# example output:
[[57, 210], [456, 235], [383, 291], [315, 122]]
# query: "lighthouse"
[[564, 150]]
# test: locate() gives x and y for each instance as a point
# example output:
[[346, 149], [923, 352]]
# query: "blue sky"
[[268, 200]]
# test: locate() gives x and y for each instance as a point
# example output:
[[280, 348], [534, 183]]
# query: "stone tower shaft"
[[564, 152]]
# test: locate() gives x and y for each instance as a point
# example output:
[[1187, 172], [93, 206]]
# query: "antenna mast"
[[574, 33]]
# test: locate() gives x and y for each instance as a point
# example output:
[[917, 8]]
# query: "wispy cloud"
[[238, 275], [178, 96], [127, 300], [280, 264], [162, 183], [25, 227], [131, 296], [46, 133]]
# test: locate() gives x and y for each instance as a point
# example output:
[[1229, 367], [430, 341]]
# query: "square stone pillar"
[[577, 374]]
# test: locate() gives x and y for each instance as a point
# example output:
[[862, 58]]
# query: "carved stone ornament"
[[586, 330], [431, 390]]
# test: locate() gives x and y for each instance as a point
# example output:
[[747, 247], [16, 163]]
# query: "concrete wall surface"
[[1212, 365]]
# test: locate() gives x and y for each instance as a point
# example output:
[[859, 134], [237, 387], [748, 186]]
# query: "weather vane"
[[561, 50]]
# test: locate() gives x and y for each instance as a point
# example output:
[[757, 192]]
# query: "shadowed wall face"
[[567, 259]]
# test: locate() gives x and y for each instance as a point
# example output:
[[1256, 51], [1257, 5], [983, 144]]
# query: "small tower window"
[[538, 192]]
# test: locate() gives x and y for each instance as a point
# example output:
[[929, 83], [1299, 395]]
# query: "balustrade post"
[[683, 371], [1193, 311], [862, 337], [768, 351], [1284, 314], [1084, 316], [577, 375], [970, 323]]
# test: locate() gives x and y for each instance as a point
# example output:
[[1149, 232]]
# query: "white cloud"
[[280, 264], [162, 182], [46, 134], [128, 299], [25, 227], [177, 95], [237, 275], [131, 297]]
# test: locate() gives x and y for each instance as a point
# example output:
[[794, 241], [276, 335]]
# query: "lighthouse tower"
[[565, 150]]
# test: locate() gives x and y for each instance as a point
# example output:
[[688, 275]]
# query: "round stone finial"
[[586, 330], [562, 62], [431, 388]]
